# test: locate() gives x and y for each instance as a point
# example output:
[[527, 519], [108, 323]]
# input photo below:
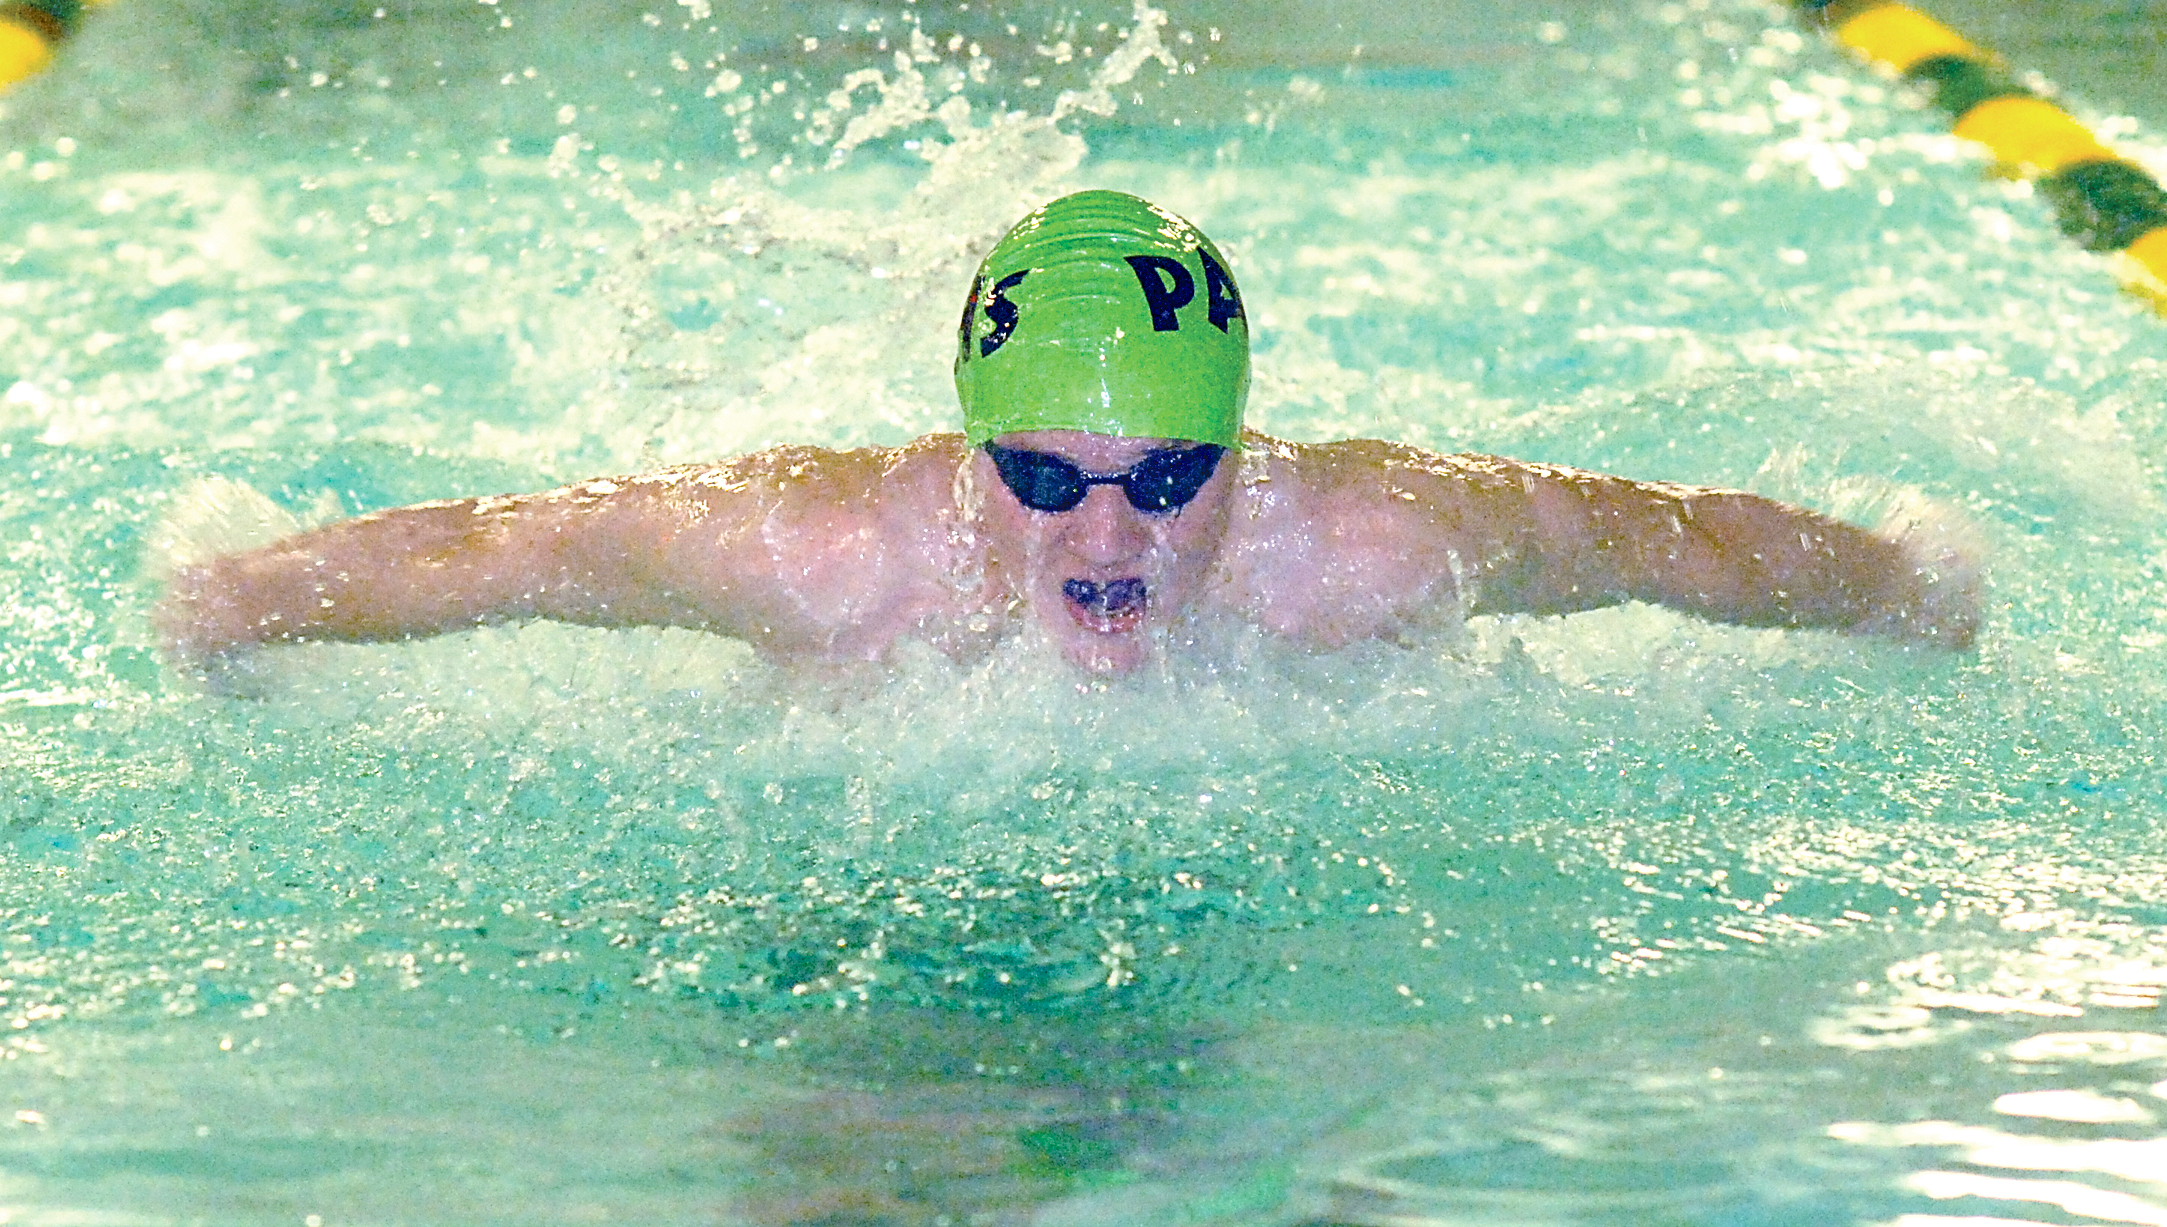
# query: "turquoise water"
[[1621, 918]]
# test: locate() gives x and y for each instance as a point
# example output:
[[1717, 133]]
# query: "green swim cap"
[[1105, 313]]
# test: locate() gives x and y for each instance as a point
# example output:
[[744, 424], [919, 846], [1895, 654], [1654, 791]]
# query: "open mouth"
[[1111, 608]]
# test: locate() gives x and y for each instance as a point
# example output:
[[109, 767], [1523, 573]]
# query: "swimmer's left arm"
[[1556, 540]]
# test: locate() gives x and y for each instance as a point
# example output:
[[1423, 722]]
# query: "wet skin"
[[816, 556]]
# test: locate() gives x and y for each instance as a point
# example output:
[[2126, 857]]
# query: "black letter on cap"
[[1002, 312], [1226, 301], [1168, 287]]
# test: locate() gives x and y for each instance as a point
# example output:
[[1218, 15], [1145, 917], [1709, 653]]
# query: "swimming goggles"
[[1162, 481]]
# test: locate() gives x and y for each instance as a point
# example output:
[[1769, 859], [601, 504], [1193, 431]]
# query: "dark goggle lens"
[[1161, 481], [1040, 482]]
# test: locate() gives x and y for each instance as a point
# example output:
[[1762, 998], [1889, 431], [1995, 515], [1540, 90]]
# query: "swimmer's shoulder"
[[934, 458], [1377, 474], [907, 496], [805, 473]]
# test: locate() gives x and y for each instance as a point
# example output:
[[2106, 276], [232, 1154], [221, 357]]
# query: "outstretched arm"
[[1533, 538], [782, 548], [584, 553]]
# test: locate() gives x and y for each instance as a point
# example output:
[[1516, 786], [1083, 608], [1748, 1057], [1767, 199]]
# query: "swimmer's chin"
[[1103, 646], [1108, 656]]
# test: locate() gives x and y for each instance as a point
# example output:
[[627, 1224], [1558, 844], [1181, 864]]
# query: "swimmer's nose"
[[1104, 528]]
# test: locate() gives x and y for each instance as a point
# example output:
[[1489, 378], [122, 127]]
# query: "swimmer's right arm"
[[575, 553], [746, 549]]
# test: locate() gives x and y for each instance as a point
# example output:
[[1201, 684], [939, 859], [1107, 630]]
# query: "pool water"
[[1619, 918]]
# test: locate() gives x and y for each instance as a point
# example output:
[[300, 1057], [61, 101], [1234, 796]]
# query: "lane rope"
[[30, 30], [2105, 202]]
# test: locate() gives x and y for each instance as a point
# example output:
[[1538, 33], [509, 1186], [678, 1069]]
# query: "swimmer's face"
[[1101, 575]]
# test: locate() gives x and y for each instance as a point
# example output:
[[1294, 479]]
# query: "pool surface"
[[1618, 918]]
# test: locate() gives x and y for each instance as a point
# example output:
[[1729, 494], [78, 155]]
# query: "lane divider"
[[2105, 202], [29, 30]]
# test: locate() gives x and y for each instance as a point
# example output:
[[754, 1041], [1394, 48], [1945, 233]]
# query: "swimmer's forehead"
[[1073, 443]]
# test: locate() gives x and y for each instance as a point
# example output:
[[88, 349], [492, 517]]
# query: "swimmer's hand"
[[199, 628], [1935, 594], [206, 639]]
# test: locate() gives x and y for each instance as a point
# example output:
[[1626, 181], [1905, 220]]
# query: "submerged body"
[[816, 555]]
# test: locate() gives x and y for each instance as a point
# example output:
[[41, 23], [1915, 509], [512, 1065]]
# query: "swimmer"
[[1103, 494]]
